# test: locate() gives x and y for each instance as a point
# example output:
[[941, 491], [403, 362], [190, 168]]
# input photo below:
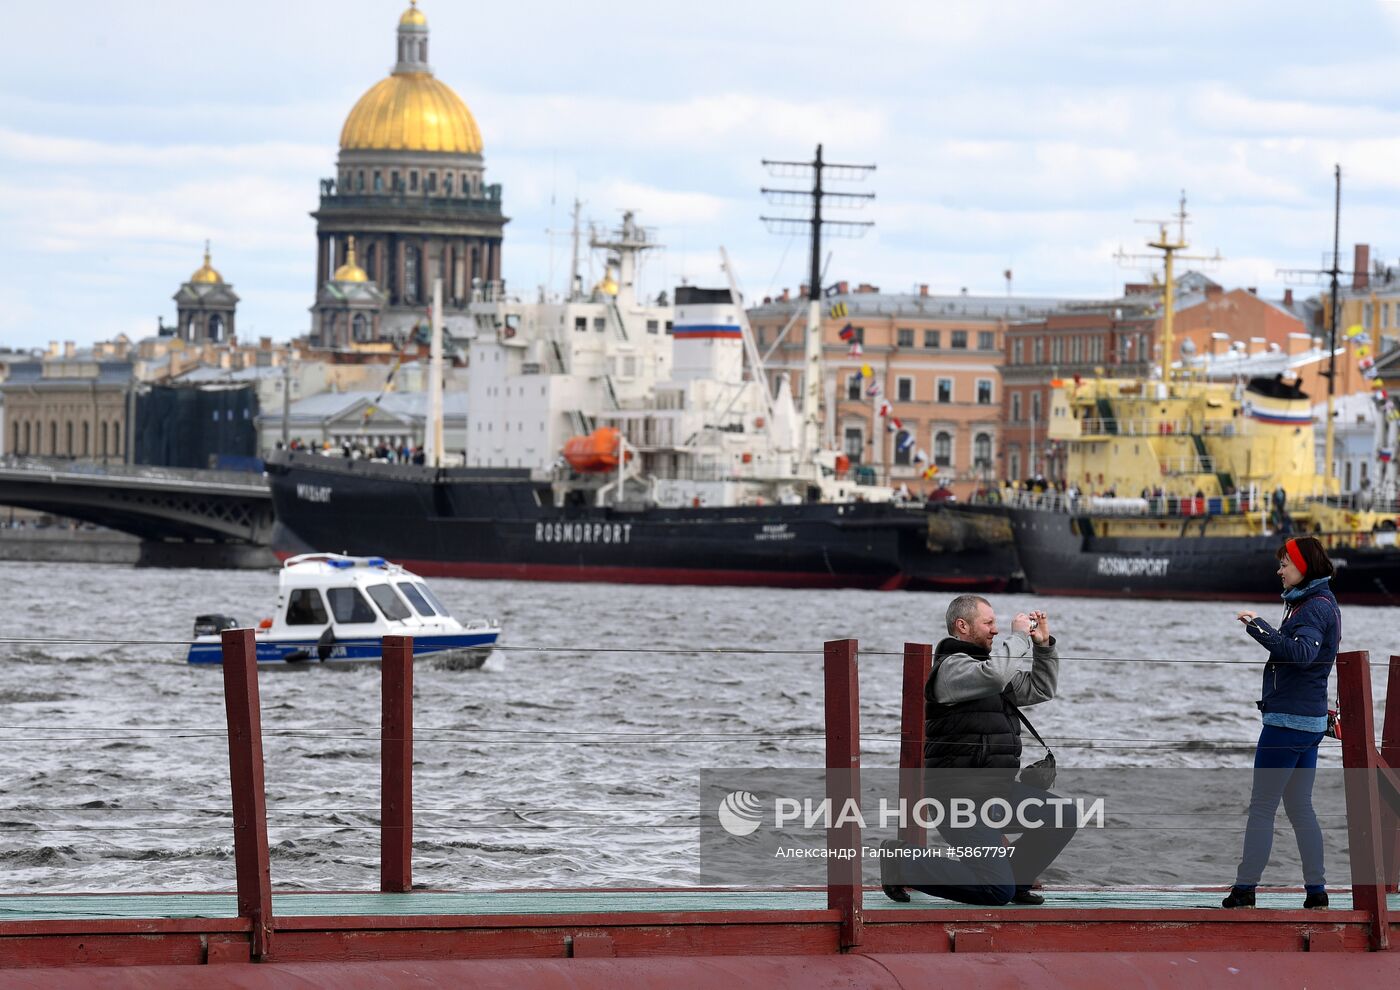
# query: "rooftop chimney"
[[786, 296], [864, 287], [69, 348], [1214, 291], [923, 288], [1361, 266], [842, 288], [1299, 343], [1288, 299], [1253, 290], [802, 291]]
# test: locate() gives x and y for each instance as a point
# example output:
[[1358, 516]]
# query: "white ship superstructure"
[[674, 380]]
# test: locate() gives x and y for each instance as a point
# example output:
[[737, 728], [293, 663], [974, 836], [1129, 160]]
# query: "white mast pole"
[[433, 440]]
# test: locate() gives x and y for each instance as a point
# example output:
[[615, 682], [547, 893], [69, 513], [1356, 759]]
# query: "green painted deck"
[[52, 907]]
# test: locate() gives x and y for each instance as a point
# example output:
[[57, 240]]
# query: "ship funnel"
[[708, 341]]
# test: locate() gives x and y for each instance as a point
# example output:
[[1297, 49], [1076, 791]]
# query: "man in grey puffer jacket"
[[972, 742]]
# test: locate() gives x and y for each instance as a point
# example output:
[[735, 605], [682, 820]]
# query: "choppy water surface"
[[571, 759]]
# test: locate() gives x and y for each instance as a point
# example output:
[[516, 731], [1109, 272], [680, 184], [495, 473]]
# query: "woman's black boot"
[[1239, 897], [1315, 902]]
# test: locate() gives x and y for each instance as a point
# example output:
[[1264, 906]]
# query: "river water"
[[571, 759]]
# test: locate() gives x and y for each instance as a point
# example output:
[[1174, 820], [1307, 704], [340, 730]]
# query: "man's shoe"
[[1239, 897], [1315, 902], [893, 891], [1027, 897]]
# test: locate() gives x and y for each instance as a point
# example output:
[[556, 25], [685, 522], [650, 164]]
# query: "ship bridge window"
[[349, 606], [389, 603], [304, 608]]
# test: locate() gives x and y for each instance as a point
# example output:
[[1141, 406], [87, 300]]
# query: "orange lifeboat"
[[595, 452]]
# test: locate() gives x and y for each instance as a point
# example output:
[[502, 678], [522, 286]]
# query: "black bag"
[[1041, 773]]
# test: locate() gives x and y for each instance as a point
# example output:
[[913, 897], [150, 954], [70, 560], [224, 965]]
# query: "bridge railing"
[[91, 468]]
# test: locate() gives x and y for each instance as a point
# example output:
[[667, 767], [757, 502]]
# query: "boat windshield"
[[416, 599], [389, 603], [349, 606], [432, 598]]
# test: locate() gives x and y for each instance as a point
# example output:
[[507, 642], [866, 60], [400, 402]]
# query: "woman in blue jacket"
[[1301, 653]]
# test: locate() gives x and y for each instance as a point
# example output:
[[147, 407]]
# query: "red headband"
[[1296, 555]]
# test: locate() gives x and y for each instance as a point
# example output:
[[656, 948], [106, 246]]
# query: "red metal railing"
[[252, 864]]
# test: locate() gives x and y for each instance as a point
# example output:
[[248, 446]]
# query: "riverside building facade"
[[936, 358]]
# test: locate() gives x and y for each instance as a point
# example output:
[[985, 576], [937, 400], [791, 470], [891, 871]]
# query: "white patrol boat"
[[333, 608]]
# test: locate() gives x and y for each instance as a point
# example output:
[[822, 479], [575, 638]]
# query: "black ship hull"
[[482, 523], [1061, 554]]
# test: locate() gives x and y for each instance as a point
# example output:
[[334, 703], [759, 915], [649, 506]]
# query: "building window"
[[410, 274], [931, 339], [447, 184], [360, 181], [1038, 351], [1075, 354], [986, 340], [580, 324], [1366, 315], [432, 182], [984, 391], [1013, 463], [853, 387], [903, 448], [945, 390], [378, 181], [1015, 407], [854, 443], [360, 323], [904, 389], [905, 338], [943, 448], [1015, 352], [1035, 407], [960, 340], [982, 451], [413, 181], [1057, 350]]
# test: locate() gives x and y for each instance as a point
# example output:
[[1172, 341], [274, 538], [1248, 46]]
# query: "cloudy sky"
[[1017, 134]]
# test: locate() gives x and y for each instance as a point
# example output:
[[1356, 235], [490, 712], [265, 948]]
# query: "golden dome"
[[411, 111], [413, 15], [350, 272], [206, 273]]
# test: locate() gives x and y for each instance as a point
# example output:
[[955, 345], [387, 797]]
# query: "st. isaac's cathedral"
[[408, 204]]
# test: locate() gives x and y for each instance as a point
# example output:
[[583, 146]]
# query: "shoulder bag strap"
[[1027, 723]]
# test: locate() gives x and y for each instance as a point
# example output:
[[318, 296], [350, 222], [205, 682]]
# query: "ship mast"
[[1335, 271], [810, 440]]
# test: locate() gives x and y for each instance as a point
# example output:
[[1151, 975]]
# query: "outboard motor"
[[212, 625]]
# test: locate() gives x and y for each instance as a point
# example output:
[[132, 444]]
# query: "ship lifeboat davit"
[[595, 452]]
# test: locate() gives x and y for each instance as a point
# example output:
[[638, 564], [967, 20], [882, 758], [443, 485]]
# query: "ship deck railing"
[[773, 937]]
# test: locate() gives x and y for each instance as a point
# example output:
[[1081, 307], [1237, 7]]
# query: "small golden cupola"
[[207, 274], [350, 271]]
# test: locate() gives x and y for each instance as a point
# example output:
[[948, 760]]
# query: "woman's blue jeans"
[[1285, 763]]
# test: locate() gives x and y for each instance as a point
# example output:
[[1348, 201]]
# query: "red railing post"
[[918, 660], [843, 869], [1361, 771], [251, 859], [396, 767], [1390, 756]]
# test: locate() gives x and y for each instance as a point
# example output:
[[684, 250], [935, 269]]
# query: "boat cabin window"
[[432, 599], [349, 606], [304, 608], [419, 603], [389, 603]]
